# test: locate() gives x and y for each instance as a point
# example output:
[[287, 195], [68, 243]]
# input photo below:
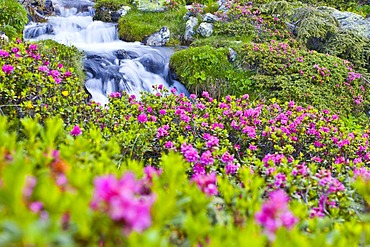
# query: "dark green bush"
[[207, 68], [349, 45]]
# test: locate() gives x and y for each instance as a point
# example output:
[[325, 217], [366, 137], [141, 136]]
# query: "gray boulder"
[[210, 18], [205, 29], [189, 28], [159, 38], [352, 21]]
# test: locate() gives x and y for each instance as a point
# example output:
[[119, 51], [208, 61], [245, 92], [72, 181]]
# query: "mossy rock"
[[207, 68], [104, 9], [136, 25]]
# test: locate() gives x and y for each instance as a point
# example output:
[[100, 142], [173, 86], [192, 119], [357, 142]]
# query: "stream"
[[111, 65]]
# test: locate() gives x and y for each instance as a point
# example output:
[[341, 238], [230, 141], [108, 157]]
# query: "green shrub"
[[59, 188], [38, 85], [307, 77], [313, 26], [13, 18], [136, 25], [206, 68], [240, 29], [69, 56]]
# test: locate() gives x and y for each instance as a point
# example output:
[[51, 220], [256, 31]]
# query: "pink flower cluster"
[[125, 201], [275, 214], [206, 183]]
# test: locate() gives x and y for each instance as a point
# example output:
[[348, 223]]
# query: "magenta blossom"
[[206, 183], [76, 131], [8, 69], [275, 214], [125, 200], [142, 118]]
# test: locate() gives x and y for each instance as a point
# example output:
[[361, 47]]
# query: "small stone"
[[205, 29], [232, 55], [189, 28]]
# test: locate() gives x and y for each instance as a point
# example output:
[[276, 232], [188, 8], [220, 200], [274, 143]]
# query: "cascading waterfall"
[[111, 65]]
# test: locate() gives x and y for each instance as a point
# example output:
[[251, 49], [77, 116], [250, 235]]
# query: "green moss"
[[307, 77], [69, 56], [208, 69], [136, 25]]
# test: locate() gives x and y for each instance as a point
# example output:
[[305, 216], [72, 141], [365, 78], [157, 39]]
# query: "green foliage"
[[206, 68], [239, 29], [38, 85], [69, 56], [306, 77], [349, 45], [13, 18], [313, 26], [136, 25]]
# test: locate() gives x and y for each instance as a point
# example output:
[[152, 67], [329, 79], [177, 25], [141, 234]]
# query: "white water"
[[106, 73]]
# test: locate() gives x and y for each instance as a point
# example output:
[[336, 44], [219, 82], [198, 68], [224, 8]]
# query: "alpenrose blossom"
[[125, 200], [206, 183], [275, 214], [8, 69], [76, 131]]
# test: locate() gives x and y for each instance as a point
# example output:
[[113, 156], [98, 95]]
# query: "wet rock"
[[121, 54], [159, 38]]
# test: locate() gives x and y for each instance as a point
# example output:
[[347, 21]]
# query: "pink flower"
[[7, 68], [29, 186], [43, 68], [206, 183], [227, 157], [275, 214], [142, 118], [169, 145], [125, 200], [76, 131], [4, 53], [33, 47], [190, 153], [231, 168], [207, 158], [36, 207], [162, 131]]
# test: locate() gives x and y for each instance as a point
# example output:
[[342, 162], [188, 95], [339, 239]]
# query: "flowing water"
[[111, 65]]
